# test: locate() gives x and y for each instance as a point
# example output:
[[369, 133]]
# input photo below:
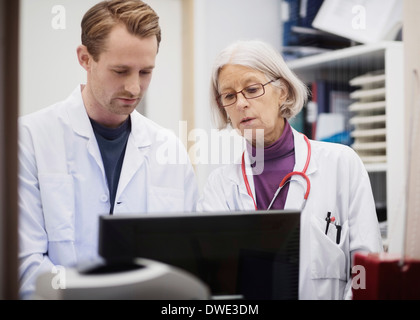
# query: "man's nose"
[[133, 86]]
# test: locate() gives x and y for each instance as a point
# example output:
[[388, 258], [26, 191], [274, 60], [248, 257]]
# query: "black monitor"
[[247, 255]]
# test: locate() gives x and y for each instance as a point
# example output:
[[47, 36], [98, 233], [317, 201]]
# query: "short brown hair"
[[138, 17]]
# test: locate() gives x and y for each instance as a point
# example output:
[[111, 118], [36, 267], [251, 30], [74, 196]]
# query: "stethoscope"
[[285, 179]]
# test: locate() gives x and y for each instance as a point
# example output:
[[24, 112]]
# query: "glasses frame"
[[241, 91]]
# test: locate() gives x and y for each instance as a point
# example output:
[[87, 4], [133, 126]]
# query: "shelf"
[[368, 93], [375, 73], [371, 52], [368, 79], [367, 106], [368, 120], [369, 133], [380, 145], [376, 167]]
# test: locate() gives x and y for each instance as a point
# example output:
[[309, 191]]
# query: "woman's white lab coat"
[[340, 185], [63, 187]]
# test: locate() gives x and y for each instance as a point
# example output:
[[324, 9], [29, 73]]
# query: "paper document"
[[364, 21]]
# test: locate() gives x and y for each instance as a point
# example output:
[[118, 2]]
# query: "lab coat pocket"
[[163, 199], [57, 195], [328, 260]]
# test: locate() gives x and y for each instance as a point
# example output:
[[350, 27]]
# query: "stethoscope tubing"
[[284, 180]]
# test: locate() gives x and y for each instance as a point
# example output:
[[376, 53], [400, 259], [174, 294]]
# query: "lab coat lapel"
[[297, 186], [138, 145], [81, 125]]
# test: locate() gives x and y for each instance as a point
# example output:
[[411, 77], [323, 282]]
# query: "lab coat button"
[[104, 198]]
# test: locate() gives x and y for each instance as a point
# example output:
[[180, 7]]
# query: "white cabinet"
[[388, 174]]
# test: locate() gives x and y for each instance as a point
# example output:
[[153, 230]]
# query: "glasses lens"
[[250, 92], [226, 99], [253, 91]]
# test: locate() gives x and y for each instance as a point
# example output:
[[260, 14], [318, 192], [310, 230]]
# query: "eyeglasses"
[[251, 92]]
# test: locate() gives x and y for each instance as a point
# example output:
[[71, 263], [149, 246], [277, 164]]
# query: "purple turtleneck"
[[279, 160]]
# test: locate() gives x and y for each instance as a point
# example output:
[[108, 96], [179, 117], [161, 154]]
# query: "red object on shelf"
[[379, 276]]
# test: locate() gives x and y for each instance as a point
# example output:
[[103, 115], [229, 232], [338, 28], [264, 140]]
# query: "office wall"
[[49, 36], [164, 97], [217, 24]]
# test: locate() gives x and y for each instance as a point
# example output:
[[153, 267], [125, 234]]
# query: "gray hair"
[[259, 56]]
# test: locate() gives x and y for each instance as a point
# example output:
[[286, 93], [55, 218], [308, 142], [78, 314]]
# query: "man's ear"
[[84, 57]]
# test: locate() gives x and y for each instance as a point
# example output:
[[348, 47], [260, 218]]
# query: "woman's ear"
[[284, 92], [84, 57]]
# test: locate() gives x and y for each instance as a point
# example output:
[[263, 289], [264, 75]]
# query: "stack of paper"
[[361, 20], [369, 117]]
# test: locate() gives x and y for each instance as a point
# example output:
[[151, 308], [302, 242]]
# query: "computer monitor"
[[244, 255]]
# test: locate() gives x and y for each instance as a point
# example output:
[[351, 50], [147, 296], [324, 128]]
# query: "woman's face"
[[249, 115]]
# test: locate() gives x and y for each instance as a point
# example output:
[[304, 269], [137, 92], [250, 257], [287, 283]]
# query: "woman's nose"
[[241, 101]]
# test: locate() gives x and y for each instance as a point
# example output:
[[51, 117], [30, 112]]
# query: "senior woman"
[[254, 91]]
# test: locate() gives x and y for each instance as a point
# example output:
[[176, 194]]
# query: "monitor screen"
[[249, 255]]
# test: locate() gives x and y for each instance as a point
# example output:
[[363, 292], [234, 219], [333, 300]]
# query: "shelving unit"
[[350, 63]]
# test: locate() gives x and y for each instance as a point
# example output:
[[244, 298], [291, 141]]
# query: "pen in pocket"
[[338, 233], [329, 220]]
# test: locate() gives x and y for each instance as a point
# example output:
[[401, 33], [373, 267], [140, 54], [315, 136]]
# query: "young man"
[[93, 153]]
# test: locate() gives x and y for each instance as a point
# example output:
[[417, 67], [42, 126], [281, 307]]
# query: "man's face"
[[119, 79]]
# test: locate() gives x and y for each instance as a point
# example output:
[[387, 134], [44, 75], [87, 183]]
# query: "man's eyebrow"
[[123, 66], [119, 66]]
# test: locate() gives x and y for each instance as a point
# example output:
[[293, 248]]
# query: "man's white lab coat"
[[63, 187]]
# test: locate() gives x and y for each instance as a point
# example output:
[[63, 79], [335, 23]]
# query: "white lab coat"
[[63, 187], [340, 185]]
